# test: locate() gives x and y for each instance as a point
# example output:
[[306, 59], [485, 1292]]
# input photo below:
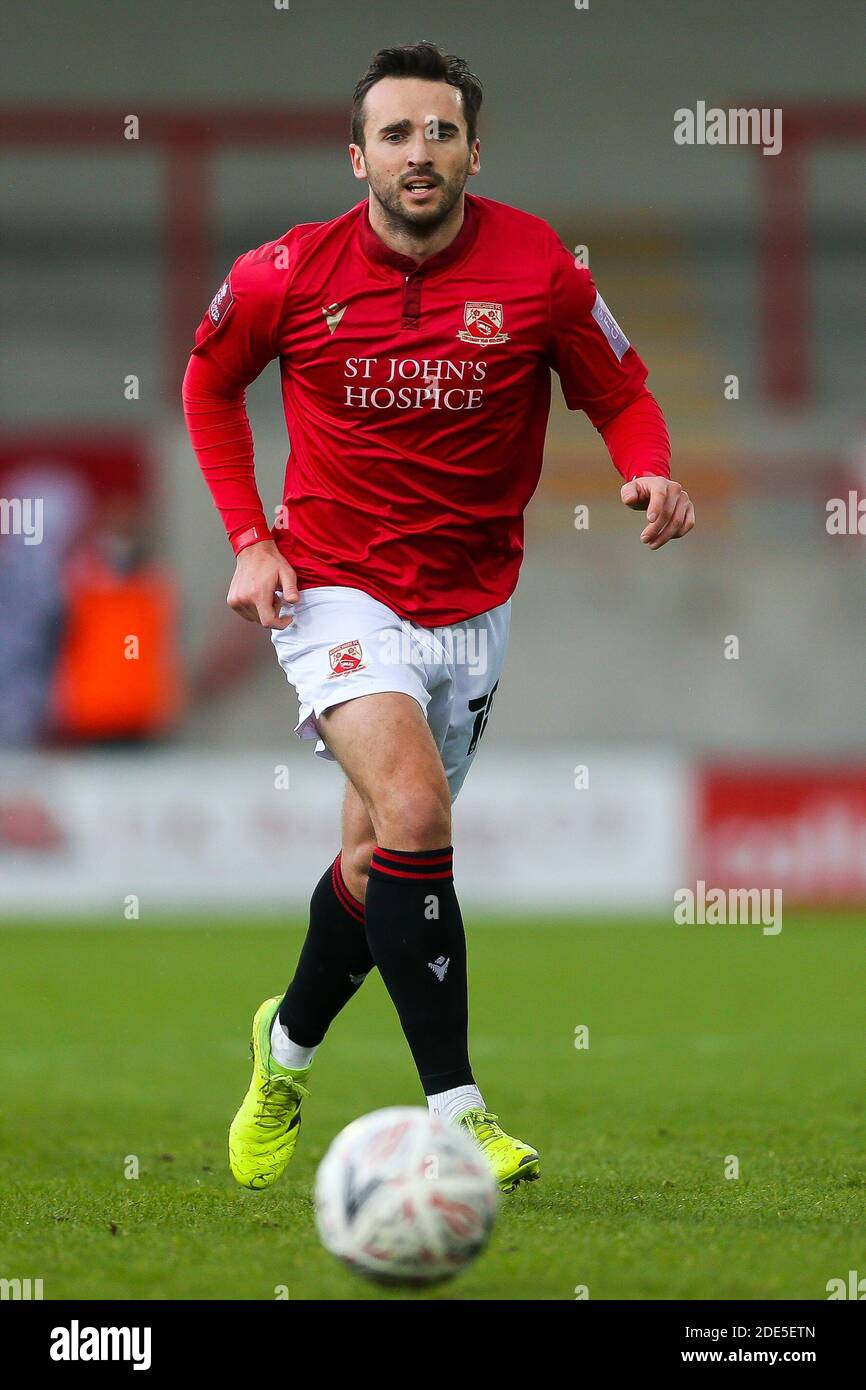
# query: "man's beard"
[[424, 221]]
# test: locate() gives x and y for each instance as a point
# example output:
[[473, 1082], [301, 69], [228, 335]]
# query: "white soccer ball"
[[404, 1197]]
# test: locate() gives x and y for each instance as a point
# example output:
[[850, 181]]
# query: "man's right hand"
[[259, 573]]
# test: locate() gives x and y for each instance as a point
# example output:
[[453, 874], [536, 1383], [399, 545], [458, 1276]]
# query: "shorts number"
[[484, 704]]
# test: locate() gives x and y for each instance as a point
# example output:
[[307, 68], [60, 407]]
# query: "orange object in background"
[[119, 670]]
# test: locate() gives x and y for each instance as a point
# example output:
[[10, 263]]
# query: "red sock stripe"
[[404, 864], [407, 857], [349, 903], [399, 873]]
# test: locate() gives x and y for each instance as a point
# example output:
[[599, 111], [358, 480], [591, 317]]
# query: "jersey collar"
[[375, 249]]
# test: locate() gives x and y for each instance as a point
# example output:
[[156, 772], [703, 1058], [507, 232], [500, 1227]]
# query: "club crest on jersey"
[[221, 302], [346, 658], [482, 323]]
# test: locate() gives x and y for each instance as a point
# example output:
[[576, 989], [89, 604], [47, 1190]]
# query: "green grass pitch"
[[704, 1042]]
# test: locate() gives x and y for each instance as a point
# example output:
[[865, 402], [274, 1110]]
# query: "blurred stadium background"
[[161, 776]]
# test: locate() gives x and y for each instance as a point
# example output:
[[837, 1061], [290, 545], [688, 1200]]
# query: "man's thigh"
[[385, 747], [384, 744]]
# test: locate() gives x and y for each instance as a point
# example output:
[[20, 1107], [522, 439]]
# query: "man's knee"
[[414, 818], [355, 865]]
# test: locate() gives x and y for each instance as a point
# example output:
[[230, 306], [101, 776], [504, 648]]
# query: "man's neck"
[[421, 246]]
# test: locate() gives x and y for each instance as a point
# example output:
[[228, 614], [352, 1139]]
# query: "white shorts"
[[343, 644]]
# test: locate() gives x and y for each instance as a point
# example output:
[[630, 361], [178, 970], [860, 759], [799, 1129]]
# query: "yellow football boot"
[[512, 1161], [264, 1132]]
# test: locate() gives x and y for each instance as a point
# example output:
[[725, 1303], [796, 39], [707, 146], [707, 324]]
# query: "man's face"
[[416, 159]]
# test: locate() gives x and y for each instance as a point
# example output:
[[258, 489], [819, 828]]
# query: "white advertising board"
[[228, 834]]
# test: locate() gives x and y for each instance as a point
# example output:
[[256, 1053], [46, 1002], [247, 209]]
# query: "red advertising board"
[[109, 461], [798, 827]]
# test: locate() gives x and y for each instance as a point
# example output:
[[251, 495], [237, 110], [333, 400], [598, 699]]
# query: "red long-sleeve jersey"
[[416, 398]]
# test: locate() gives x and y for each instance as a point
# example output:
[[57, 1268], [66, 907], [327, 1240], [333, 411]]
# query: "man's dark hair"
[[419, 60]]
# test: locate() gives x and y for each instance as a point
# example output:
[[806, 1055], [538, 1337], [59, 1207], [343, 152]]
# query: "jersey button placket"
[[411, 299]]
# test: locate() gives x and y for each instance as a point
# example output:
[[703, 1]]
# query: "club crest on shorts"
[[221, 302], [346, 658], [482, 323]]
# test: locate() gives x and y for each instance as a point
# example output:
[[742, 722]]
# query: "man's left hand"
[[669, 509]]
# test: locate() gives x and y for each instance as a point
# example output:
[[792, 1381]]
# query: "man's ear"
[[359, 163]]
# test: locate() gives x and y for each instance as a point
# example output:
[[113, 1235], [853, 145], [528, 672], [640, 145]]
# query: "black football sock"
[[416, 938], [334, 959]]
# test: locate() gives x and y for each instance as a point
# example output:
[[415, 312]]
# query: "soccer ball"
[[403, 1197]]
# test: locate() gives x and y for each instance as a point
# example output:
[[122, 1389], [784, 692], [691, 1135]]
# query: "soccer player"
[[416, 335]]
